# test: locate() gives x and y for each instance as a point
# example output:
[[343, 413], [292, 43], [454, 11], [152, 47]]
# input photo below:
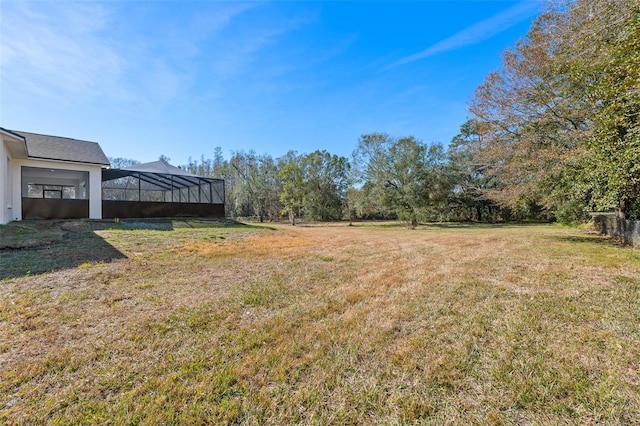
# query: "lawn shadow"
[[217, 223], [36, 247], [595, 239], [397, 224], [39, 246], [480, 225]]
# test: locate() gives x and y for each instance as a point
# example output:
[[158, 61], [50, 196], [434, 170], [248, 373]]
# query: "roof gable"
[[58, 148], [15, 143]]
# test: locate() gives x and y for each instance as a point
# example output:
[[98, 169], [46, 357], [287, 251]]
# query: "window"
[[36, 190], [69, 192]]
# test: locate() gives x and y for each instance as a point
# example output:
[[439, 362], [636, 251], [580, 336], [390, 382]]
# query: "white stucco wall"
[[95, 183], [7, 161], [5, 184]]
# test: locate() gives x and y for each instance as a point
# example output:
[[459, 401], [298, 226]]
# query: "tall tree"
[[119, 162], [608, 35], [530, 124], [292, 195], [560, 121], [404, 174], [256, 185], [468, 179], [325, 182]]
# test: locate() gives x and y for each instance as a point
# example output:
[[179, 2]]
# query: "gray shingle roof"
[[7, 131], [63, 149]]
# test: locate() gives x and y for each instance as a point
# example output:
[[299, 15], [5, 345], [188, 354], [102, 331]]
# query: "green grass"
[[35, 247], [370, 324]]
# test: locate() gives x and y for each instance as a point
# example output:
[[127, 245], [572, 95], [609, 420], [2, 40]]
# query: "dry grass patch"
[[368, 324]]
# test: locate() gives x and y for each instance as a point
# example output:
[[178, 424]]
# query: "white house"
[[52, 177], [45, 176]]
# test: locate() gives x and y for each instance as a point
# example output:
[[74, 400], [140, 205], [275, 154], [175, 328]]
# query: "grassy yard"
[[192, 322]]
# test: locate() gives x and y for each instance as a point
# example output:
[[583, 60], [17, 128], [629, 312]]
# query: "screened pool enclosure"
[[159, 189]]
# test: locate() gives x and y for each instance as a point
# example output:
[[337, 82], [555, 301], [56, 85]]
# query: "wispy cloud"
[[215, 21], [47, 48], [84, 51], [478, 32]]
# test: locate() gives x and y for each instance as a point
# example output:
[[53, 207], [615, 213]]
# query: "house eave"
[[16, 144]]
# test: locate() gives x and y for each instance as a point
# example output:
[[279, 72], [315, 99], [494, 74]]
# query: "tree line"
[[553, 134], [386, 178]]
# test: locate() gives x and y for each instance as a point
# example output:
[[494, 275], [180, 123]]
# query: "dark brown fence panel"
[[142, 209], [51, 208]]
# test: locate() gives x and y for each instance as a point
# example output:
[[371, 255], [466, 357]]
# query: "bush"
[[571, 214]]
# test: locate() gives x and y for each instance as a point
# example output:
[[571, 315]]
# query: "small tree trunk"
[[621, 211], [414, 220], [292, 219]]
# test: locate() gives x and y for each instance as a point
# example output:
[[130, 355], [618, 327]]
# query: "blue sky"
[[179, 78]]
